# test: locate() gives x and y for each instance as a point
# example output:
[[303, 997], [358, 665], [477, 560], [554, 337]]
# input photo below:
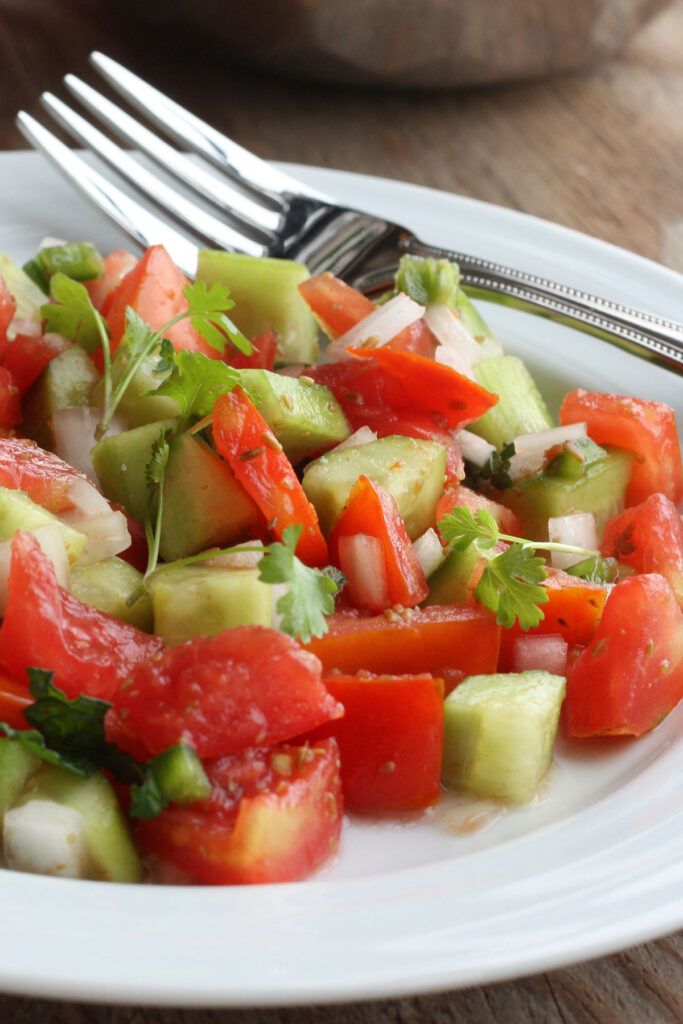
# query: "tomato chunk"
[[14, 697], [248, 445], [456, 494], [390, 740], [8, 308], [447, 641], [116, 265], [372, 510], [273, 816], [631, 674], [649, 537], [46, 627], [154, 289], [647, 429], [27, 355], [45, 477], [262, 357], [244, 687], [335, 303]]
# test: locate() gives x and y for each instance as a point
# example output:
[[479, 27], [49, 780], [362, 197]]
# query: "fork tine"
[[249, 215], [136, 220], [247, 169], [201, 223]]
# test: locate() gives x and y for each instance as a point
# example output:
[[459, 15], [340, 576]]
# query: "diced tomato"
[[455, 494], [573, 611], [116, 265], [446, 641], [247, 686], [649, 537], [8, 308], [14, 697], [45, 477], [262, 357], [631, 674], [390, 740], [647, 429], [10, 400], [372, 510], [154, 289], [46, 627], [27, 355], [416, 338], [273, 816], [336, 305], [246, 442]]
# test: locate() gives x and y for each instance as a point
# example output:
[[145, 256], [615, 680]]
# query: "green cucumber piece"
[[67, 381], [19, 512], [499, 733], [27, 295], [180, 775], [449, 584], [109, 585], [78, 260], [137, 405], [17, 765], [520, 408]]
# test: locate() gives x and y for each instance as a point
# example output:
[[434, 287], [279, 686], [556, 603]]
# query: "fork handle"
[[652, 337]]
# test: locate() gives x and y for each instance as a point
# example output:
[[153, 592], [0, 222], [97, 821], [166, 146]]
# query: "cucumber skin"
[[520, 408]]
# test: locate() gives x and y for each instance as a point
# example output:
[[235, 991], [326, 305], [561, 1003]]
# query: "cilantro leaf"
[[146, 798], [196, 382], [208, 309], [459, 528], [494, 474], [73, 314], [155, 475], [510, 586], [310, 596]]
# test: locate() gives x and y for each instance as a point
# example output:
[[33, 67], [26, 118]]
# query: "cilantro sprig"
[[195, 383], [511, 582], [70, 734]]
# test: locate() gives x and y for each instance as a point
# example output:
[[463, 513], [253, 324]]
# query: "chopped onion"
[[49, 242], [44, 837], [51, 540], [450, 357], [530, 449], [74, 435], [546, 653], [380, 326], [364, 435], [239, 559], [446, 325], [578, 529], [429, 551], [86, 499], [292, 370], [25, 325], [106, 534], [362, 561], [474, 448]]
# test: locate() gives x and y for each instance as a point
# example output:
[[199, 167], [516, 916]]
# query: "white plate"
[[594, 866]]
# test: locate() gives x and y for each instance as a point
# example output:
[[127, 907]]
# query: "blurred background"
[[570, 111]]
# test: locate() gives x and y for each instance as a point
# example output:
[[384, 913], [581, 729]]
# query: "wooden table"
[[600, 152]]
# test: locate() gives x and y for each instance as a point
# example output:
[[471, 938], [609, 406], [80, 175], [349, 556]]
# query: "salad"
[[246, 588]]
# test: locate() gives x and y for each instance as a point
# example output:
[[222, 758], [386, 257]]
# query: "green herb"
[[195, 384], [208, 316], [510, 582], [494, 474], [155, 475], [428, 280], [310, 596], [70, 734]]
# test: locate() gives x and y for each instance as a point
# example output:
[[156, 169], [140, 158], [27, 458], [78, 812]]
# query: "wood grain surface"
[[600, 151]]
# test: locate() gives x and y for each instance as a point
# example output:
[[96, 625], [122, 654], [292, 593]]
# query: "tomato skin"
[[446, 641], [456, 494], [335, 303], [45, 477], [573, 611], [631, 674], [8, 308], [390, 740], [416, 338], [246, 442], [647, 429], [264, 349], [259, 825], [372, 509], [649, 537], [116, 265], [154, 289], [46, 627], [27, 355], [247, 686], [14, 697]]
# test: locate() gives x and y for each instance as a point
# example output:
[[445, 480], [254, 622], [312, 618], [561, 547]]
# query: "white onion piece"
[[364, 435], [106, 535], [44, 837], [292, 370], [578, 529], [545, 653], [429, 551], [74, 435], [239, 559], [25, 325], [450, 357], [447, 327], [362, 561], [383, 324], [474, 448], [530, 449], [51, 542], [49, 241], [86, 499]]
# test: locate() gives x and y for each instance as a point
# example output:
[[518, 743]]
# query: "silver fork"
[[261, 211]]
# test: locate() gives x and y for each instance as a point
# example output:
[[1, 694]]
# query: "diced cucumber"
[[499, 733], [180, 775], [17, 765], [19, 512], [449, 584], [137, 406], [520, 408], [67, 381], [27, 295], [108, 585]]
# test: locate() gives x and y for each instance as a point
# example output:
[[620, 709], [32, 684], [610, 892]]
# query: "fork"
[[254, 208]]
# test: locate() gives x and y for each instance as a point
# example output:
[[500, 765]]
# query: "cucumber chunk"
[[180, 775], [108, 585], [17, 765], [499, 732], [520, 408]]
